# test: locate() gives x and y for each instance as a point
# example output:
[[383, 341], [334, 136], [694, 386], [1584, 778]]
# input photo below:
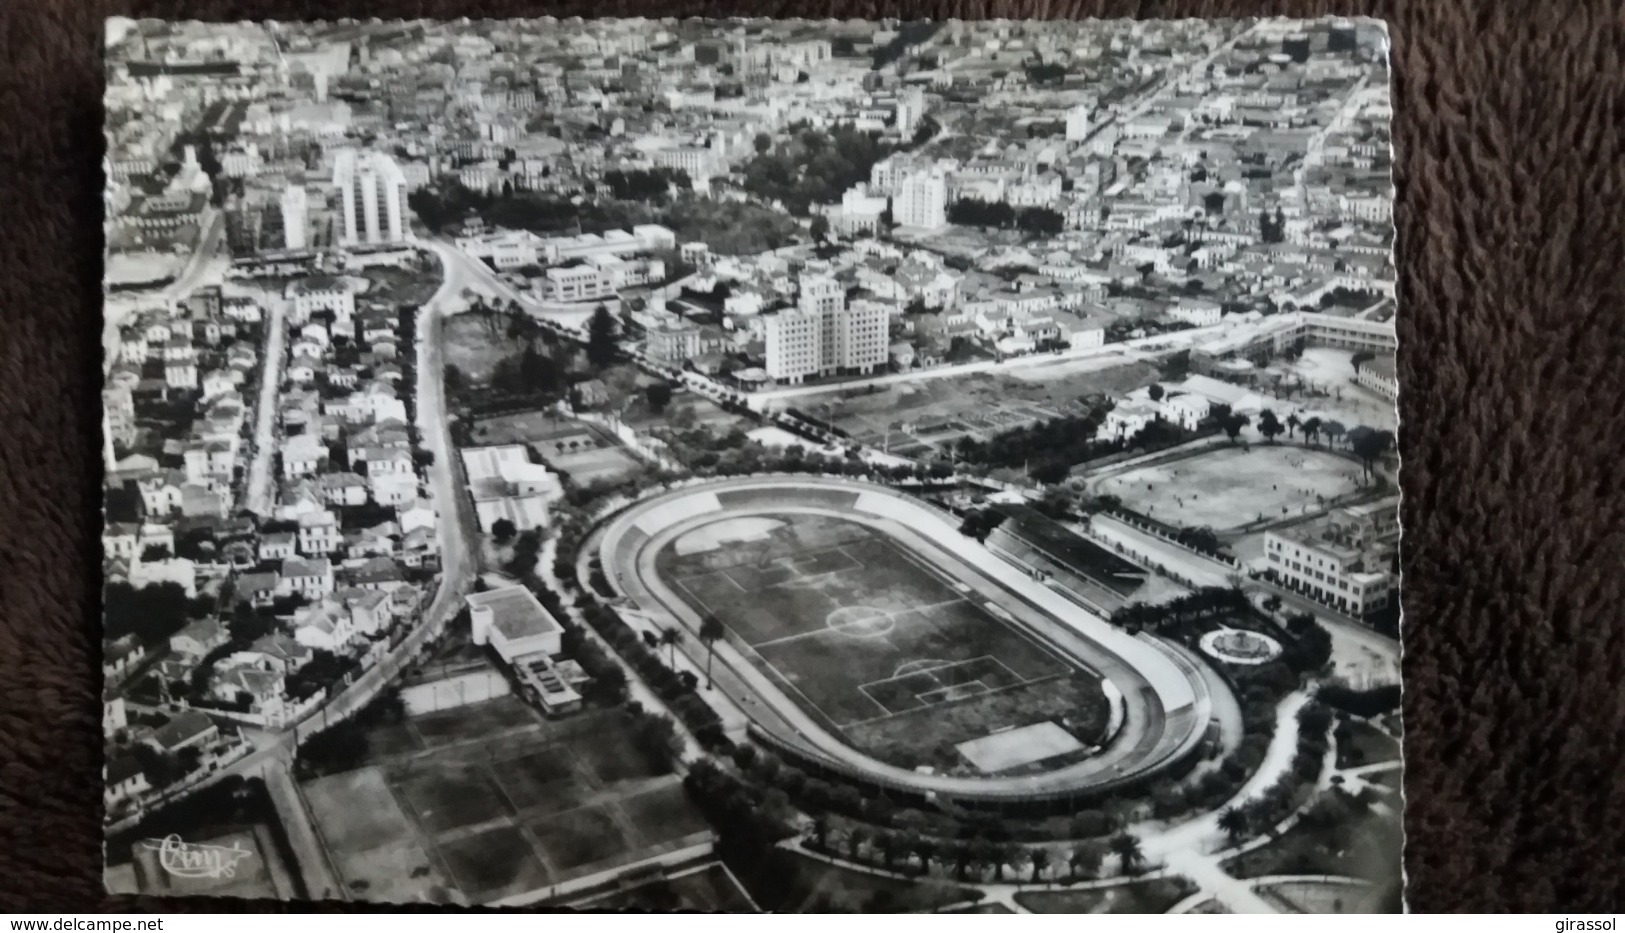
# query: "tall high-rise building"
[[910, 108], [823, 336], [295, 214], [1079, 120], [921, 200], [373, 190]]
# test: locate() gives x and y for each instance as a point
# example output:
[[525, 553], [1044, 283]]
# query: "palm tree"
[[922, 848], [711, 629], [855, 838], [1085, 860], [670, 637], [891, 845], [819, 830], [1234, 823], [1126, 846], [1292, 423]]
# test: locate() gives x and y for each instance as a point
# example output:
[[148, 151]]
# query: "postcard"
[[753, 465]]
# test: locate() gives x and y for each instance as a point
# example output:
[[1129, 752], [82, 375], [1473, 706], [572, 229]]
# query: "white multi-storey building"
[[824, 336], [922, 200], [295, 216], [1335, 560], [792, 345], [373, 190]]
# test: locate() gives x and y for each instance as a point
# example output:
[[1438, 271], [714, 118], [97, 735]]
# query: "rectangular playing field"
[[866, 637], [513, 805], [1234, 486]]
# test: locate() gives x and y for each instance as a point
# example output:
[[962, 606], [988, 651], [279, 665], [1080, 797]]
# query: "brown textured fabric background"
[[1509, 131]]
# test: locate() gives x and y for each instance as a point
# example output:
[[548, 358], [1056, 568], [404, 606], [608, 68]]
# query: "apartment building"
[[1337, 560], [921, 200], [825, 336], [372, 188]]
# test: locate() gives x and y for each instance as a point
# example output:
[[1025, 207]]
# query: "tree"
[[1234, 823], [503, 531], [1040, 861], [855, 838], [819, 227], [1232, 424], [1268, 425], [1126, 846], [1369, 445], [453, 378], [1361, 358], [602, 330], [1085, 860], [671, 637], [1311, 429], [711, 629], [659, 396], [1156, 392], [1333, 431], [1292, 423], [763, 143]]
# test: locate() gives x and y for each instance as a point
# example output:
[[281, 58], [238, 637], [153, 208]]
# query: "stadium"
[[866, 638]]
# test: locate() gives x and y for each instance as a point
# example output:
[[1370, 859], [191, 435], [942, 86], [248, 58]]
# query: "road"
[[276, 748], [1139, 350], [261, 486], [1146, 101], [473, 274]]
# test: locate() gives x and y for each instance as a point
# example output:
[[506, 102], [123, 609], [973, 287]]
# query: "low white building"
[[514, 622]]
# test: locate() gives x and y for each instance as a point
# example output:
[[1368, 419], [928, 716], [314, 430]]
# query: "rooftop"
[[515, 612]]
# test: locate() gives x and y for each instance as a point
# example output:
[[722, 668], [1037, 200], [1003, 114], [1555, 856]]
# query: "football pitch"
[[880, 646]]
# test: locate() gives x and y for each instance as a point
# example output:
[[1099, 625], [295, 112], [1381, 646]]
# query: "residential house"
[[263, 690], [312, 579], [276, 652], [123, 780], [302, 455], [258, 590], [379, 573], [416, 514], [369, 610], [319, 534], [121, 657], [278, 545], [372, 542], [161, 495], [325, 626], [198, 638], [118, 541], [394, 489], [191, 729]]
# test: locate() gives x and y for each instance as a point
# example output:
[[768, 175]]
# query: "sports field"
[[487, 801], [879, 646], [579, 450], [1233, 486]]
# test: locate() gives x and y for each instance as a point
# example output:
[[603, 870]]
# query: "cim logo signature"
[[193, 860]]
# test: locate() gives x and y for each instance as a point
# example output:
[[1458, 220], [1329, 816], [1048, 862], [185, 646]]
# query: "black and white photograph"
[[792, 466]]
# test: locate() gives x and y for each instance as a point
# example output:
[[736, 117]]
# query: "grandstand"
[[1085, 572]]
